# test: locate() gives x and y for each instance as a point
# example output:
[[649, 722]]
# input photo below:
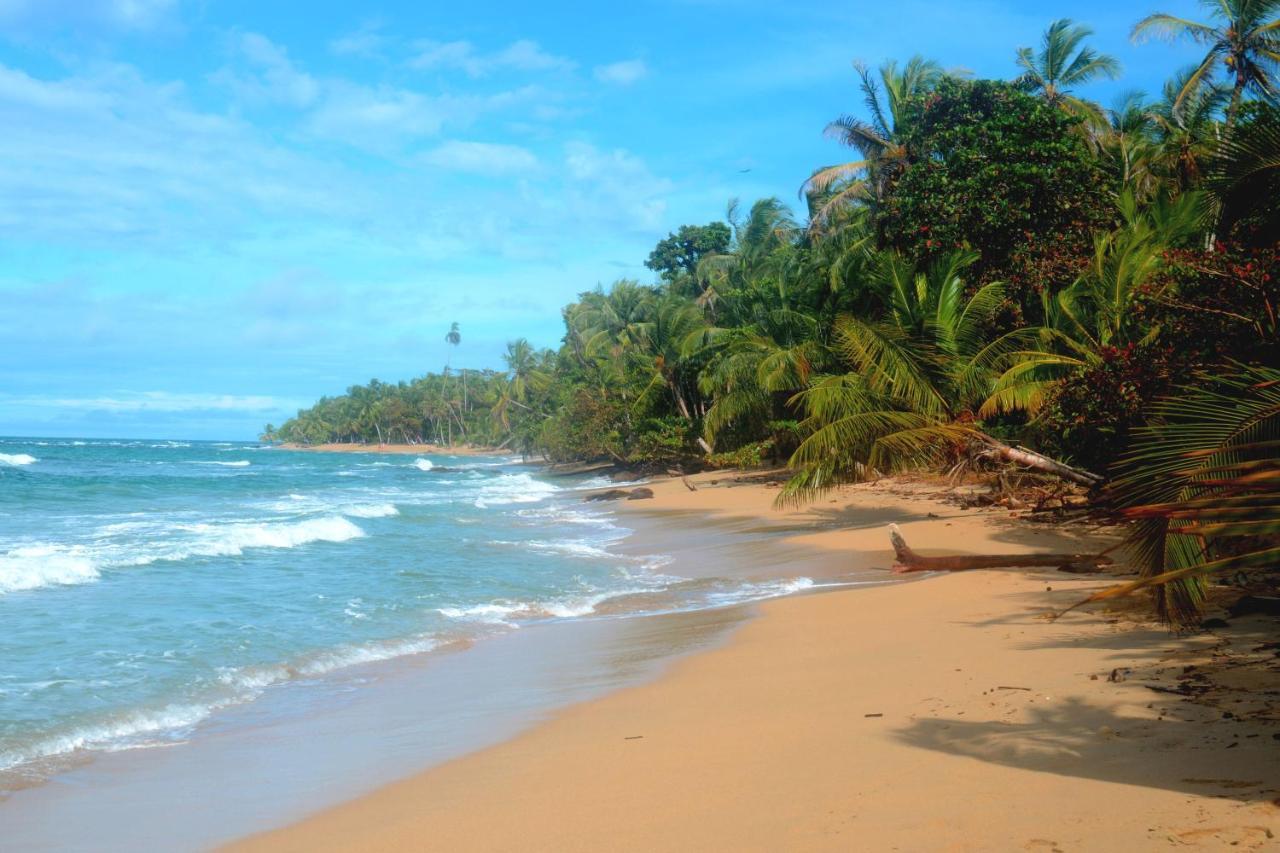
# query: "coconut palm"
[[912, 378], [1127, 142], [1202, 484], [1062, 64], [763, 243], [675, 332], [1244, 174], [883, 156], [1243, 41], [1186, 131]]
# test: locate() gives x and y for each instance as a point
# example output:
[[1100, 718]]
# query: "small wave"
[[37, 566], [370, 510], [120, 732], [17, 459], [513, 489], [423, 464], [502, 611], [239, 463], [231, 540]]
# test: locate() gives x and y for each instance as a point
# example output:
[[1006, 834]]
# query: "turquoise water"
[[147, 585]]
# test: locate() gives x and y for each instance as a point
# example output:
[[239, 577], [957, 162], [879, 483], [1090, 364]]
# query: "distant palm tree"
[[1186, 130], [1062, 64], [884, 157], [1245, 43]]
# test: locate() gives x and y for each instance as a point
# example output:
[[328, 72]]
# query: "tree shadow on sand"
[[1193, 750]]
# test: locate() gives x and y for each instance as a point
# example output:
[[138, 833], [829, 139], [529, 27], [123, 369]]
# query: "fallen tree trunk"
[[1040, 462], [910, 561]]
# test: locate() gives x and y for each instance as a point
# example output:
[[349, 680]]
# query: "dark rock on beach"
[[621, 494]]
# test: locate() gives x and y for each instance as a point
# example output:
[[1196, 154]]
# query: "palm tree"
[[883, 156], [1186, 130], [526, 372], [1062, 64], [1244, 175], [1127, 142], [1202, 483], [762, 245], [913, 380], [1243, 41], [675, 332]]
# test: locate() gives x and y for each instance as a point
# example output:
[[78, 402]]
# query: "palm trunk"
[[684, 410], [1040, 462]]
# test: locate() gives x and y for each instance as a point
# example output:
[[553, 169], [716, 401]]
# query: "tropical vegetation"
[[1005, 273]]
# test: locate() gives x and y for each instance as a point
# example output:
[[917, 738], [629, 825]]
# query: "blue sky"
[[213, 211]]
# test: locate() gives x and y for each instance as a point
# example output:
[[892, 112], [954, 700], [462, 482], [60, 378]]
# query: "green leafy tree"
[[676, 257], [996, 168]]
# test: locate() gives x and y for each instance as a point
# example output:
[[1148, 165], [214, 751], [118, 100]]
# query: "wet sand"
[[943, 715]]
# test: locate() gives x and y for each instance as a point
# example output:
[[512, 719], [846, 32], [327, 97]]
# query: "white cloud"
[[484, 158], [367, 41], [523, 55], [160, 401], [622, 73], [274, 79], [376, 118], [615, 187]]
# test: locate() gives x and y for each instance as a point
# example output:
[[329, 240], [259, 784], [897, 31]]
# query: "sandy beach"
[[947, 714]]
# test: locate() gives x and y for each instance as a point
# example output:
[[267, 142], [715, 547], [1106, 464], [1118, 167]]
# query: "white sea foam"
[[239, 463], [35, 566], [423, 464], [17, 459], [512, 489], [229, 540], [120, 731], [503, 611]]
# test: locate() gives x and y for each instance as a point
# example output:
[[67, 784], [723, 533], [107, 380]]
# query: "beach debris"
[[633, 737], [1007, 687], [690, 486], [873, 715], [910, 561]]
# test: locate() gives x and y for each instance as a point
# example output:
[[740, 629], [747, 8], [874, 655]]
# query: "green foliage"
[[1202, 484], [750, 455], [676, 257], [1003, 262], [992, 168]]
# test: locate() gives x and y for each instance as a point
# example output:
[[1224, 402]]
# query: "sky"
[[212, 212]]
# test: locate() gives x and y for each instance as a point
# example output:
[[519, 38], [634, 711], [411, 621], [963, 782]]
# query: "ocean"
[[148, 587]]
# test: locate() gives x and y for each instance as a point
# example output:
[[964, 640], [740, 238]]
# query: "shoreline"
[[880, 717]]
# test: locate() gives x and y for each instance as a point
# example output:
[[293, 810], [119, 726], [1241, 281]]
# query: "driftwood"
[[910, 561], [684, 479]]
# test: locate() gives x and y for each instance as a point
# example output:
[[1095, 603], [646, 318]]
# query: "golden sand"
[[943, 715]]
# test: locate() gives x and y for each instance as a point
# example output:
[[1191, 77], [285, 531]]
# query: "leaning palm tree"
[[883, 156], [1202, 484], [1062, 64], [913, 380], [1243, 41]]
